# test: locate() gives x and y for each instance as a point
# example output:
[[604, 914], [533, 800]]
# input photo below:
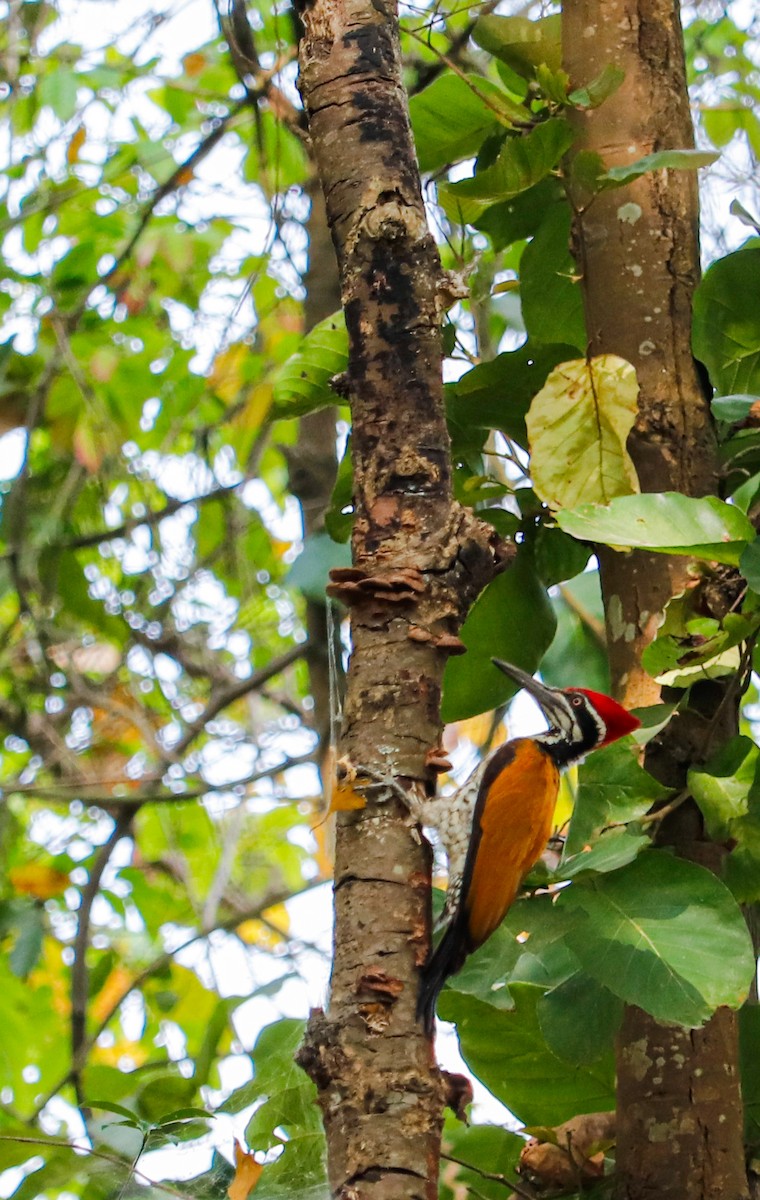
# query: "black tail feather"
[[447, 958]]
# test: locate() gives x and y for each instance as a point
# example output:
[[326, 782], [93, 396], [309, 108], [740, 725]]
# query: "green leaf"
[[577, 657], [722, 787], [450, 118], [497, 394], [512, 220], [727, 791], [509, 1054], [59, 90], [557, 556], [521, 42], [523, 161], [570, 1036], [528, 947], [302, 384], [664, 934], [672, 160], [512, 619], [29, 930], [614, 848], [612, 787], [489, 1148], [550, 293], [726, 322], [290, 1105], [74, 274], [733, 408], [578, 425], [310, 572], [162, 1095], [749, 565], [667, 522], [599, 89], [689, 646]]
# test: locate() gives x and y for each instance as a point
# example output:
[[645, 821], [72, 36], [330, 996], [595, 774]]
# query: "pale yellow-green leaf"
[[577, 429]]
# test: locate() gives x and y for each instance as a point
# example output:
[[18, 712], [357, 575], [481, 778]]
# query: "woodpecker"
[[496, 826]]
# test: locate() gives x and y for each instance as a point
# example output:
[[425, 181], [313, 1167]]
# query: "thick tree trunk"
[[418, 559], [679, 1107]]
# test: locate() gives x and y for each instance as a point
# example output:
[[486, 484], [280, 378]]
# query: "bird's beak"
[[551, 700]]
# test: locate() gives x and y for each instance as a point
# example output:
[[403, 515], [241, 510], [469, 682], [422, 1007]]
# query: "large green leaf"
[[510, 221], [614, 848], [310, 572], [302, 384], [664, 934], [523, 161], [667, 522], [578, 425], [509, 1054], [690, 646], [489, 1148], [512, 619], [577, 657], [454, 115], [612, 787], [726, 322], [576, 1040], [497, 394], [521, 42], [289, 1116], [550, 293], [727, 790], [722, 787]]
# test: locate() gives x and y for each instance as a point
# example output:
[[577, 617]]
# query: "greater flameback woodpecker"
[[496, 826]]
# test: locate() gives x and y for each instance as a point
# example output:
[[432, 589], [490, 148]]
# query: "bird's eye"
[[577, 701]]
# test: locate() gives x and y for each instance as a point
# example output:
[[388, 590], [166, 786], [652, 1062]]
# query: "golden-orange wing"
[[512, 824]]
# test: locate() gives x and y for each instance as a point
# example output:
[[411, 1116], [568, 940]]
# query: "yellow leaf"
[[115, 987], [194, 63], [256, 407], [75, 145], [344, 799], [115, 1054], [578, 425], [226, 377], [247, 1174], [269, 933], [38, 880]]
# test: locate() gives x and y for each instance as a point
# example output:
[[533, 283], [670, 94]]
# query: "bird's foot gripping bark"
[[382, 784]]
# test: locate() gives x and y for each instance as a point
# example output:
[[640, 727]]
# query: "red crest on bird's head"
[[617, 720]]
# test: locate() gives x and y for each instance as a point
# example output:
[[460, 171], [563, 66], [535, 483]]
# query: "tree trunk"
[[418, 558], [679, 1106]]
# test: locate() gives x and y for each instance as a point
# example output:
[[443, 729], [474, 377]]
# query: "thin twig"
[[520, 1188], [81, 1148], [242, 687], [62, 791]]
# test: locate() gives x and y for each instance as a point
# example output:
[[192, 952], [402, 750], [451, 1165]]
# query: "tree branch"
[[79, 971]]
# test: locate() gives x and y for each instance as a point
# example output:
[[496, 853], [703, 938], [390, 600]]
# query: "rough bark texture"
[[679, 1106], [418, 559]]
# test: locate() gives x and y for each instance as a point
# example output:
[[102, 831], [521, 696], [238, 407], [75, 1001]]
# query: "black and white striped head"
[[579, 720]]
